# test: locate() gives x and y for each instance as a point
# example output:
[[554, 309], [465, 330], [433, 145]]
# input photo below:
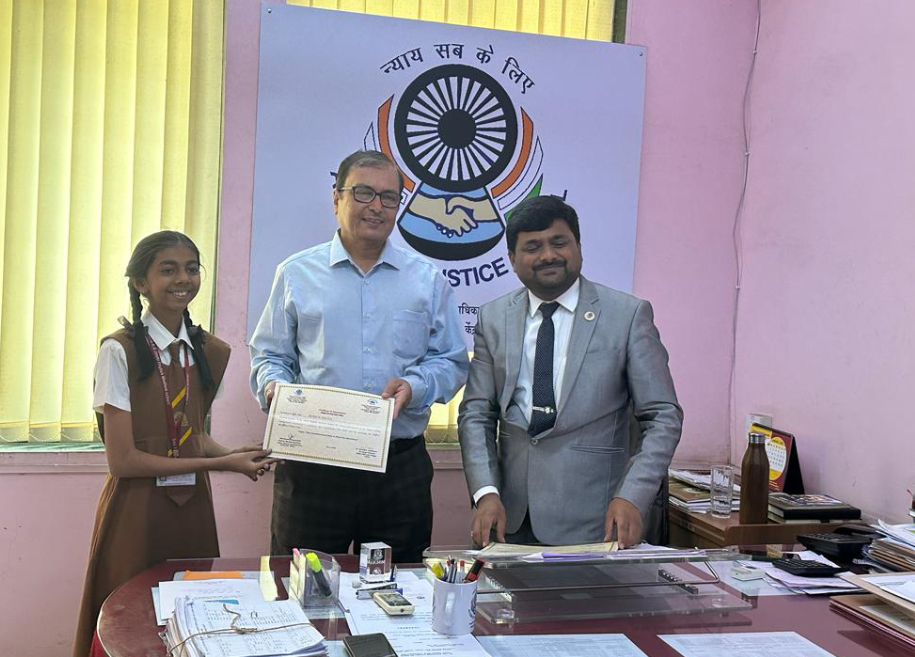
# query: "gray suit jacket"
[[616, 367]]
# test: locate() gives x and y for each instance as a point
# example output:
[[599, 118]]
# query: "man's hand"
[[268, 392], [251, 463], [488, 514], [628, 521], [401, 391]]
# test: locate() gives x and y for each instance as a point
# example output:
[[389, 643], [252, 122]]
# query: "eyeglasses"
[[365, 194]]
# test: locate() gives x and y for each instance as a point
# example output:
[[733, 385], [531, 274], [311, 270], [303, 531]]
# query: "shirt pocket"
[[410, 334], [309, 335]]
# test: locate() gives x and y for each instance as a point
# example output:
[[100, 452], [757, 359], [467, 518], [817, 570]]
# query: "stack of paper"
[[895, 552], [207, 628], [224, 590], [696, 479], [889, 554], [808, 585]]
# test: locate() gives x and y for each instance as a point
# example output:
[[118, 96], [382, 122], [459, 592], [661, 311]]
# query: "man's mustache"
[[553, 263]]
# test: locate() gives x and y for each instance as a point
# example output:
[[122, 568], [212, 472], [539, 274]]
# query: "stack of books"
[[787, 508], [695, 499]]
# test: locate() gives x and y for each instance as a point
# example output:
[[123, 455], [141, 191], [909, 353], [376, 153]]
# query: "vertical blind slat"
[[82, 333], [20, 232]]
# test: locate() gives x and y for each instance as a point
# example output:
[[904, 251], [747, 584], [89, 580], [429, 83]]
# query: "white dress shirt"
[[110, 378], [562, 333]]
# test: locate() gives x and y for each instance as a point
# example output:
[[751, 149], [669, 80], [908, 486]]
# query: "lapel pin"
[[589, 316]]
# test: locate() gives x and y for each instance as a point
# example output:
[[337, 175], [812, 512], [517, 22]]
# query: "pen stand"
[[312, 588]]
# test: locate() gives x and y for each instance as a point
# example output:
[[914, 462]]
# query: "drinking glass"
[[722, 493]]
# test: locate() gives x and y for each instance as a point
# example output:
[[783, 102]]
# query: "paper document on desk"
[[744, 644], [410, 636], [236, 590], [904, 589], [561, 645], [904, 533], [808, 585], [543, 552], [265, 629]]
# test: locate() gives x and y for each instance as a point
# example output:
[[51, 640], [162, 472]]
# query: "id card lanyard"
[[173, 429]]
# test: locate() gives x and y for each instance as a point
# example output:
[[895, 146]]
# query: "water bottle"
[[754, 482]]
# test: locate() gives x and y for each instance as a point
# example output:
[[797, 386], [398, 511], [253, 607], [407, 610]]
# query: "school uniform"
[[140, 523]]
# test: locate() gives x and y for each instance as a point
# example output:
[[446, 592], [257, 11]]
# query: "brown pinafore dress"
[[138, 524]]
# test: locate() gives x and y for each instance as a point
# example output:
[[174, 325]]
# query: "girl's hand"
[[253, 447], [251, 463]]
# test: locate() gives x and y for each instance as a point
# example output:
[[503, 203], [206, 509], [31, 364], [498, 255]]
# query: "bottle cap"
[[756, 437]]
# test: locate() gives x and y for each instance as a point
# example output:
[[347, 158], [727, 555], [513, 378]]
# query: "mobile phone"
[[393, 603], [368, 645]]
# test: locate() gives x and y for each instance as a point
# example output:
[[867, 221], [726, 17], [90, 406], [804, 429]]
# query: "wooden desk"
[[701, 530], [127, 625]]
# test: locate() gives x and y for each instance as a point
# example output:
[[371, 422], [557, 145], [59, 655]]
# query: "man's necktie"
[[178, 391], [543, 412]]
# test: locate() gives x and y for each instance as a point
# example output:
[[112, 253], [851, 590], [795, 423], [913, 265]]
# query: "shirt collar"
[[568, 299], [389, 254], [160, 335]]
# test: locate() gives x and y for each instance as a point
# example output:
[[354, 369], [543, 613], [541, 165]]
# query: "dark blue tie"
[[543, 412]]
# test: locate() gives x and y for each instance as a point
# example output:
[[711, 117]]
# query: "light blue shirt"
[[327, 323]]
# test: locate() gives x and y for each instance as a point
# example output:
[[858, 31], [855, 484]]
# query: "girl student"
[[155, 380]]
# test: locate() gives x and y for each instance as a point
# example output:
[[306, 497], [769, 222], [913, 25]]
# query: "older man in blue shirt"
[[360, 313]]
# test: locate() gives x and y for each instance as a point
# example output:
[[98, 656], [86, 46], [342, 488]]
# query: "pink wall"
[[826, 341], [692, 154]]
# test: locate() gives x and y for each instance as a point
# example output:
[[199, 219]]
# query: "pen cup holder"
[[454, 607], [314, 587]]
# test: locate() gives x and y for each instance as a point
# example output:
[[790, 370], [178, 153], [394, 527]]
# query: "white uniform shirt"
[[110, 378]]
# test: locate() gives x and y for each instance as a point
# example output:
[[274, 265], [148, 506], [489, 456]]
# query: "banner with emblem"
[[477, 119]]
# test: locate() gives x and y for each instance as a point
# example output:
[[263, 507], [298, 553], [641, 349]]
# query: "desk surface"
[[127, 625]]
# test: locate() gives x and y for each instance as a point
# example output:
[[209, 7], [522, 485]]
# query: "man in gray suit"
[[559, 368]]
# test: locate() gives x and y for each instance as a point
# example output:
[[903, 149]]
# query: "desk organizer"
[[311, 586]]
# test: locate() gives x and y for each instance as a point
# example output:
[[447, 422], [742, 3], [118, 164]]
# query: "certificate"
[[330, 426]]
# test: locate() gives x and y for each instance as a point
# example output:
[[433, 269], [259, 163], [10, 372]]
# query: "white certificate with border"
[[330, 426]]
